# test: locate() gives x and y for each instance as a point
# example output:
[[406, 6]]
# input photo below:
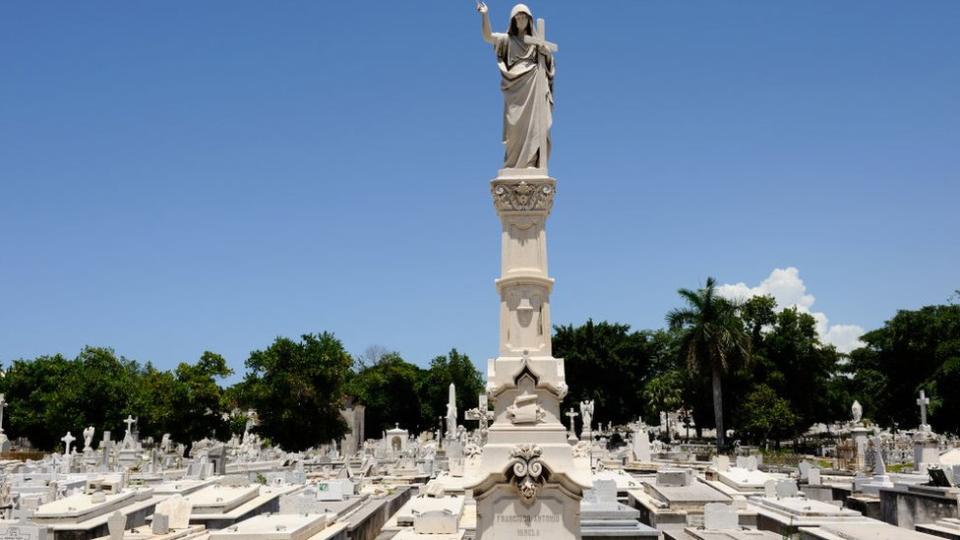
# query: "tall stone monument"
[[452, 411], [527, 483]]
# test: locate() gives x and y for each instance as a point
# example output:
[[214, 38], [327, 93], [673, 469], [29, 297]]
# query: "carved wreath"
[[527, 471], [523, 196]]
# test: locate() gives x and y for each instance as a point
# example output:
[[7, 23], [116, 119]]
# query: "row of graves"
[[416, 487], [648, 489], [235, 490]]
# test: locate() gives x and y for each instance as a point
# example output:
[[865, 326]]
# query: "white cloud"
[[786, 287]]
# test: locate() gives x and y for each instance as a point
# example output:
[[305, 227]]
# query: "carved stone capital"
[[532, 195]]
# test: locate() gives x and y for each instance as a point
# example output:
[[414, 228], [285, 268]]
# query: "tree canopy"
[[792, 380], [296, 388]]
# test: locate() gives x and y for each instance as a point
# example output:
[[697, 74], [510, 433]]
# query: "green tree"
[[757, 313], [51, 395], [607, 363], [767, 415], [713, 339], [389, 389], [434, 385], [200, 413], [664, 391], [158, 397], [32, 388], [916, 349], [801, 368], [296, 388]]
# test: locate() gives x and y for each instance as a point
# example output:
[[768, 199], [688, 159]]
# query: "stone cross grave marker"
[[67, 441], [923, 401], [571, 414]]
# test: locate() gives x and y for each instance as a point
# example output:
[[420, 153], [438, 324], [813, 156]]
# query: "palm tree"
[[712, 338], [665, 392]]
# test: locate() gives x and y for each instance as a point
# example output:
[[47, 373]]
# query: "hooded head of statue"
[[521, 9]]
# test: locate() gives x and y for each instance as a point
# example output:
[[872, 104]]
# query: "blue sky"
[[181, 176]]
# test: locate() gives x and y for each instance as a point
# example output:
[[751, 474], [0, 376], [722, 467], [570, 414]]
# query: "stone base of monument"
[[553, 515]]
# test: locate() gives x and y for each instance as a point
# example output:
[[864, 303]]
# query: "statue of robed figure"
[[526, 65]]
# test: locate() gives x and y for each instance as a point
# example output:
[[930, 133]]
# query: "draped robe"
[[527, 85]]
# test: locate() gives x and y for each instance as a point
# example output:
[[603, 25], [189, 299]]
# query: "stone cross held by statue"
[[539, 37], [129, 422], [923, 401], [68, 440]]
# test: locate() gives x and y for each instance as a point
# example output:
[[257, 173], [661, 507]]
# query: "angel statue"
[[526, 65], [88, 437], [586, 413]]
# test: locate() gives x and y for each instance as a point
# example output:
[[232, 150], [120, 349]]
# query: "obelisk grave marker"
[[526, 485]]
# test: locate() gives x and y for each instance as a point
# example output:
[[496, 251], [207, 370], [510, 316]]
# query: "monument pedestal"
[[860, 435], [527, 482], [555, 514], [926, 450]]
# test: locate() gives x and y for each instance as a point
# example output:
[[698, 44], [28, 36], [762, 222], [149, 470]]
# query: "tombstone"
[[605, 491], [786, 488], [813, 477], [218, 459], [674, 477], [28, 507], [177, 509], [436, 522], [235, 480], [116, 524], [351, 443], [105, 450], [720, 516], [770, 488], [334, 490], [804, 469], [161, 524], [938, 478], [641, 445], [923, 401], [22, 530], [300, 504], [722, 463], [434, 489], [747, 462]]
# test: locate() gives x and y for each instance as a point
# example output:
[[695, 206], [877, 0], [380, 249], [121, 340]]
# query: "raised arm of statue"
[[485, 23]]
